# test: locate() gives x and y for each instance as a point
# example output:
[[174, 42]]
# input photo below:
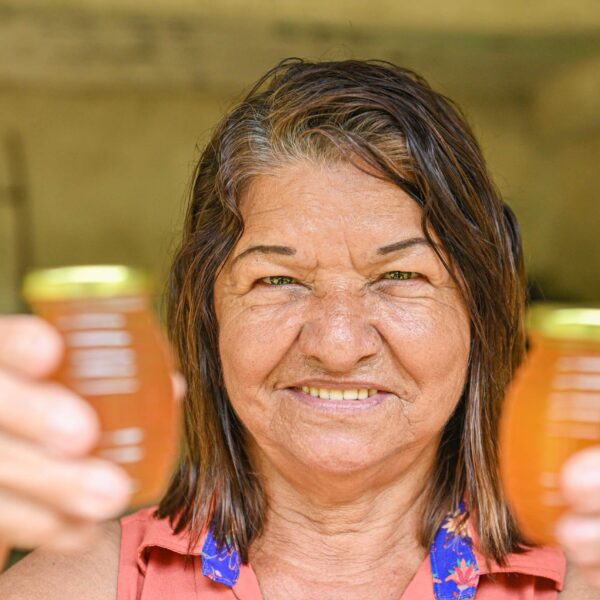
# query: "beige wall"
[[107, 173], [110, 145]]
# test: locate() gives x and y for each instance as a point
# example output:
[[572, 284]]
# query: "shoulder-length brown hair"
[[376, 114]]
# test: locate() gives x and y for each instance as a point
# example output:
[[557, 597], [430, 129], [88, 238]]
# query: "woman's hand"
[[579, 530], [50, 491]]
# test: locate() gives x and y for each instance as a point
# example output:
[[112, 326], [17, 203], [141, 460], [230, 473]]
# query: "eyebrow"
[[402, 245], [289, 251], [265, 249]]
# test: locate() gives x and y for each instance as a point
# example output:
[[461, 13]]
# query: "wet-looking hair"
[[388, 121]]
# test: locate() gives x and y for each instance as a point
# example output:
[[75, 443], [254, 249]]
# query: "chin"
[[340, 457]]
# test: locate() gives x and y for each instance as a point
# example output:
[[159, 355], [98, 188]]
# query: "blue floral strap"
[[453, 562], [220, 564]]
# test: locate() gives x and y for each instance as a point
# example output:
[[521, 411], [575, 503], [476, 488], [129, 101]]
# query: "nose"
[[338, 334]]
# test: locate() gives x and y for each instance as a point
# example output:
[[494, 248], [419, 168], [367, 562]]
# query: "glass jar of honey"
[[552, 410], [117, 359]]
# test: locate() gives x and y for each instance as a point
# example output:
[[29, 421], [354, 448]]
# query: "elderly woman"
[[347, 305]]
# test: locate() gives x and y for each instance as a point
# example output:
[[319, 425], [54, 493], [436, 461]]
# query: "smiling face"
[[332, 291]]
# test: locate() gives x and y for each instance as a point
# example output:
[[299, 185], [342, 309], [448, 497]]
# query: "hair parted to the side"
[[388, 119]]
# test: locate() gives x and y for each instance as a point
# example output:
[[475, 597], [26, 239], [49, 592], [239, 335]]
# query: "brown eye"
[[399, 275], [278, 280]]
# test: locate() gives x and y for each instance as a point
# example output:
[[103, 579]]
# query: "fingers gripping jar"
[[117, 359], [552, 410]]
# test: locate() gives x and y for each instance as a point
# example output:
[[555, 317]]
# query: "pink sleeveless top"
[[155, 565]]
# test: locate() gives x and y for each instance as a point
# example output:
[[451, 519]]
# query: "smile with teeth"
[[329, 394]]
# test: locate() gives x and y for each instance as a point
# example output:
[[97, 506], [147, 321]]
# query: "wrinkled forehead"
[[311, 190], [334, 201]]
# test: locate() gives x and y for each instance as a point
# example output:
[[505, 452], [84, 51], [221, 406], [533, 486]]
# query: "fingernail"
[[578, 477], [582, 470], [66, 423], [37, 342], [573, 531], [179, 386], [108, 492]]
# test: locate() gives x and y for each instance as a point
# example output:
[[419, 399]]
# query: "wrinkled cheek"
[[252, 345], [444, 378], [433, 349], [444, 382]]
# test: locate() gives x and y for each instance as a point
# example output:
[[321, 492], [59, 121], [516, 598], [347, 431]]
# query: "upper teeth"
[[338, 394]]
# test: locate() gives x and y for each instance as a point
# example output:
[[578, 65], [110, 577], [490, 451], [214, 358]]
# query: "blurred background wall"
[[105, 103]]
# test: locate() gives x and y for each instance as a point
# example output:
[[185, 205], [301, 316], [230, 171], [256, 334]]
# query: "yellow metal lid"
[[563, 321], [86, 281]]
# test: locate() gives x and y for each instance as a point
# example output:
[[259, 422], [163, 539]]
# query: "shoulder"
[[576, 587], [51, 575]]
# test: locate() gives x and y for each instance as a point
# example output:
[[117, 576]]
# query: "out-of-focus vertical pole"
[[18, 197]]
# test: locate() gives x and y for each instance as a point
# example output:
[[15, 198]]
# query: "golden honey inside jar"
[[117, 359], [552, 411]]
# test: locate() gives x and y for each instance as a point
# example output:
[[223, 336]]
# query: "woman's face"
[[344, 341]]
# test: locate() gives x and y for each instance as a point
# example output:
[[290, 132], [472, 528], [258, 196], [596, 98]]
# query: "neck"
[[347, 532]]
